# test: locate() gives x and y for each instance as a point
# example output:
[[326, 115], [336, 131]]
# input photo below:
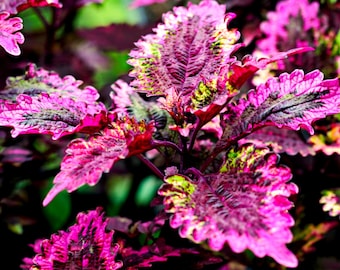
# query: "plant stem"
[[152, 166], [157, 143], [194, 135]]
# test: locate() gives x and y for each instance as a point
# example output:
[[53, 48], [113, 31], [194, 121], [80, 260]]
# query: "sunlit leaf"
[[244, 69], [293, 100], [42, 102], [87, 160], [245, 205], [111, 11], [189, 47], [86, 244]]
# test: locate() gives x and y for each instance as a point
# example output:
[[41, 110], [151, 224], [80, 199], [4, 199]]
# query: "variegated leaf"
[[42, 102], [190, 46], [87, 160], [280, 140], [245, 205], [293, 101]]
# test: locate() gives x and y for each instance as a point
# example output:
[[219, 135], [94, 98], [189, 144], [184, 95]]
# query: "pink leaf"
[[290, 17], [280, 140], [244, 205], [87, 160], [39, 3], [11, 5], [189, 46], [9, 35], [292, 100], [42, 102], [187, 54], [86, 244]]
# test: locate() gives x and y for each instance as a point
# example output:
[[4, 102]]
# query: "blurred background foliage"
[[92, 44]]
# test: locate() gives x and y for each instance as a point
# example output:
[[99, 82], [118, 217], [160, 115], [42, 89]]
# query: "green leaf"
[[118, 67], [111, 11], [118, 188], [58, 211], [147, 190]]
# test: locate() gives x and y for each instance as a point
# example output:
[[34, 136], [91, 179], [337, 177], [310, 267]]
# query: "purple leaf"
[[292, 100], [189, 47], [289, 25], [16, 155], [146, 255], [280, 140], [11, 5], [81, 3], [42, 102], [87, 160], [9, 35], [85, 245], [113, 37], [245, 205]]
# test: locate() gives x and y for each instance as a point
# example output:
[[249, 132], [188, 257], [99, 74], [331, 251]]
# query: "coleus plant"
[[185, 104]]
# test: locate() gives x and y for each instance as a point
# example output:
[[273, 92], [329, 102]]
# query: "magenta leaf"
[[279, 140], [292, 100], [243, 70], [85, 245], [244, 205], [42, 102], [15, 6], [39, 3], [127, 101], [87, 160], [16, 155], [11, 5], [289, 25], [188, 61], [188, 48], [9, 35], [145, 256]]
